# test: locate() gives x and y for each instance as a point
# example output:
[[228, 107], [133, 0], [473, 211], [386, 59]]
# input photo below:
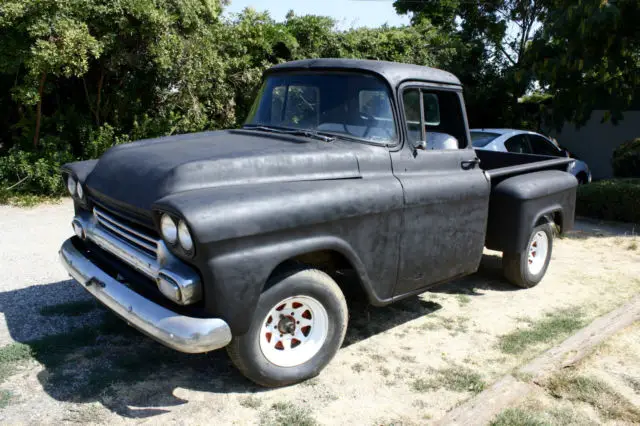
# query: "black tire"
[[245, 351], [515, 266]]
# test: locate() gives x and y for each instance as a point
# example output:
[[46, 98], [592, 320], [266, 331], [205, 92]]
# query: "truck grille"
[[126, 231]]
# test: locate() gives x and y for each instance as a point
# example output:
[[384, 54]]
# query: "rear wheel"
[[298, 327], [527, 268]]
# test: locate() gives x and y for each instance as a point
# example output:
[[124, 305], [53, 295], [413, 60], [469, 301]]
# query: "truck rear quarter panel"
[[518, 203]]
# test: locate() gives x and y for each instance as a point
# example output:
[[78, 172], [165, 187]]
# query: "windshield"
[[480, 139], [342, 104]]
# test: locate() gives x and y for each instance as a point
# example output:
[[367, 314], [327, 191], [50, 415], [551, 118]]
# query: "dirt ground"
[[65, 360]]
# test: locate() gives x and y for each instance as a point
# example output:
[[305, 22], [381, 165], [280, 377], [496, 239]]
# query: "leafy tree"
[[491, 38], [587, 56]]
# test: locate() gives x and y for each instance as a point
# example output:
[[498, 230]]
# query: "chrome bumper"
[[182, 333]]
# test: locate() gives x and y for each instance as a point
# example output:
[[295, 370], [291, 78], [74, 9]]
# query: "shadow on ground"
[[488, 277], [102, 359]]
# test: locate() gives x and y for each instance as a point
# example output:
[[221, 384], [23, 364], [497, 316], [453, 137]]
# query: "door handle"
[[469, 164]]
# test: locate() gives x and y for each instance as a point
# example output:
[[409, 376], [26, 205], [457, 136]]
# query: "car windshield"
[[480, 139], [341, 104]]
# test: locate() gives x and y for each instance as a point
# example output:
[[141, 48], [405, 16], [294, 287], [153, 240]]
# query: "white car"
[[525, 142]]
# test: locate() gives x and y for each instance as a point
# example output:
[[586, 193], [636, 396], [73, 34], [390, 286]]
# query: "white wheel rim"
[[537, 253], [293, 331]]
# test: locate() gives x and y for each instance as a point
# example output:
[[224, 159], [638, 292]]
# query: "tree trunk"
[[36, 136], [99, 96]]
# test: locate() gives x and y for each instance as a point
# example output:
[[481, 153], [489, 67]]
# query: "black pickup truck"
[[241, 238]]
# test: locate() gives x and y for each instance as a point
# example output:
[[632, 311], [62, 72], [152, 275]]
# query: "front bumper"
[[182, 333]]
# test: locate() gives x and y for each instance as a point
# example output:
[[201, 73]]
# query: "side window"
[[431, 109], [518, 144], [441, 124], [541, 146], [411, 101]]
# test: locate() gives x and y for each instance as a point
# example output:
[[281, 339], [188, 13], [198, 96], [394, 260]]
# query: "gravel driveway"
[[64, 359]]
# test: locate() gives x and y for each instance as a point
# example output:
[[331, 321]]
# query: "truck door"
[[446, 194]]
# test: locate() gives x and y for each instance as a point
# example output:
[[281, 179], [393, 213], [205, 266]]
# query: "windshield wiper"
[[287, 131]]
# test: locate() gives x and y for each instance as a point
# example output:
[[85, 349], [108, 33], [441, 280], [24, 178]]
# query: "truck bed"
[[500, 165]]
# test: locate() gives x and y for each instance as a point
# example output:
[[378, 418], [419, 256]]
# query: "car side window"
[[541, 146], [434, 116], [518, 144]]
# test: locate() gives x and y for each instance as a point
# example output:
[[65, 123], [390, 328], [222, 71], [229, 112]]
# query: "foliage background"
[[78, 76]]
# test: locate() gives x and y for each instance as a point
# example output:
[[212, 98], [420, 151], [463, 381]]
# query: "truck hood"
[[140, 173]]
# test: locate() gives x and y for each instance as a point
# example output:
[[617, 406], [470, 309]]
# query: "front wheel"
[[298, 327], [527, 268]]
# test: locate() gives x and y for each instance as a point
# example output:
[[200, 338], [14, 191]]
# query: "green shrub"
[[615, 199], [626, 159], [35, 171]]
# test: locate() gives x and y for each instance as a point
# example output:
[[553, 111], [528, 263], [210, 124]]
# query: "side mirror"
[[422, 145]]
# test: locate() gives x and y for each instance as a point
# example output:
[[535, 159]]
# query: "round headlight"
[[168, 228], [184, 236], [71, 185], [79, 190]]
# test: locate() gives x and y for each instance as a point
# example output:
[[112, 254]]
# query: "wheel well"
[[332, 262], [554, 218]]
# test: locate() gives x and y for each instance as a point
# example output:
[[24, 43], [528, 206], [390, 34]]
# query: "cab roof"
[[394, 72]]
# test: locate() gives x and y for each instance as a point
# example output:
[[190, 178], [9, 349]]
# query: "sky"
[[348, 13]]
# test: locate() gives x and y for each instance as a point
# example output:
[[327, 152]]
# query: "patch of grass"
[[408, 358], [457, 379], [518, 417], [633, 383], [357, 367], [251, 402], [26, 200], [70, 309], [287, 414], [540, 417], [11, 356], [385, 371], [463, 299], [632, 246], [609, 403], [377, 357], [555, 325], [5, 398]]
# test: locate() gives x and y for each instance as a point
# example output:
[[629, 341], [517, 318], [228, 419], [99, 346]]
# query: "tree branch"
[[99, 96], [36, 135], [504, 52]]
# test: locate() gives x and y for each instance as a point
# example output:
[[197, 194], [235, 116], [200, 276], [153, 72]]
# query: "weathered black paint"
[[403, 219]]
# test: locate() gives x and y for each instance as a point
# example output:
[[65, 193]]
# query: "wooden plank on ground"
[[507, 391]]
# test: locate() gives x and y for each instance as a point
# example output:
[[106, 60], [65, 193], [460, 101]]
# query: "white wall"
[[594, 142]]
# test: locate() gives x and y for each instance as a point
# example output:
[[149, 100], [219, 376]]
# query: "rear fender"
[[518, 203]]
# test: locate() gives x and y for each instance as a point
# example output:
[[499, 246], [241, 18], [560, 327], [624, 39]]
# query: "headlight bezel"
[[176, 246], [169, 235], [72, 185], [185, 233]]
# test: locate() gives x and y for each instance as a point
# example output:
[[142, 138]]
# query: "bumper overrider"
[[179, 332]]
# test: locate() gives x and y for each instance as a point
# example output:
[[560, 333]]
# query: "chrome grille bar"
[[125, 232]]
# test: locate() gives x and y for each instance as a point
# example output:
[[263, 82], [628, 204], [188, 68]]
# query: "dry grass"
[[288, 414], [590, 390], [457, 379]]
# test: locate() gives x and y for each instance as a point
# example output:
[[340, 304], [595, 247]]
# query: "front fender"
[[239, 276], [242, 233]]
